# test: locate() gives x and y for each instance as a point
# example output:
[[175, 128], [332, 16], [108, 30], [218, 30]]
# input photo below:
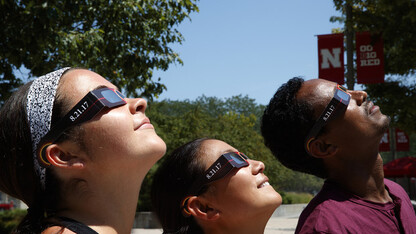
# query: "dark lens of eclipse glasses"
[[112, 96]]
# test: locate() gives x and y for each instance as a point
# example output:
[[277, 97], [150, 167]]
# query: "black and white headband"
[[40, 99]]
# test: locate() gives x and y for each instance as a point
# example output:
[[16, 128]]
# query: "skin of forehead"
[[212, 147], [75, 84], [317, 92]]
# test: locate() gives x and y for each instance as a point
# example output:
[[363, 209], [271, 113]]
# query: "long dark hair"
[[17, 175], [171, 184]]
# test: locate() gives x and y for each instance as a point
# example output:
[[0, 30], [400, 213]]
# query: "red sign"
[[370, 58], [385, 142], [402, 141], [331, 57], [6, 206], [401, 167]]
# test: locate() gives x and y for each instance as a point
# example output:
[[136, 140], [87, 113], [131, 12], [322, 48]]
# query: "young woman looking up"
[[76, 151], [207, 186]]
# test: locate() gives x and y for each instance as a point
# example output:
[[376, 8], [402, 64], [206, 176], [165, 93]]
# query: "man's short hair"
[[285, 124]]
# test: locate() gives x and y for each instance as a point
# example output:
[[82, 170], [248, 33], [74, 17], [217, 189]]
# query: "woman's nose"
[[137, 105], [256, 166]]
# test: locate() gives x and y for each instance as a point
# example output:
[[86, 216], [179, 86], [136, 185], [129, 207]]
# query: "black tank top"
[[75, 226]]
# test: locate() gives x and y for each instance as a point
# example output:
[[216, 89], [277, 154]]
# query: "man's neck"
[[364, 180]]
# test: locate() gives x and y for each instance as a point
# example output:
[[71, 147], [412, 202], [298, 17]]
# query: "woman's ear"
[[201, 209], [58, 157], [320, 149]]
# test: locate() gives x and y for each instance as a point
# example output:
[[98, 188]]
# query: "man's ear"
[[201, 209], [320, 149], [58, 157]]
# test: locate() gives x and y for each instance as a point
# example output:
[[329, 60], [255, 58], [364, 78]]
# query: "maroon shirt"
[[334, 210]]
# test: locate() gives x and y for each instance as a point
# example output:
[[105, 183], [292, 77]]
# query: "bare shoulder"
[[57, 230]]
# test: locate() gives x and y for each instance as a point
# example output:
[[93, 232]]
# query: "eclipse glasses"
[[338, 104], [219, 169], [89, 106]]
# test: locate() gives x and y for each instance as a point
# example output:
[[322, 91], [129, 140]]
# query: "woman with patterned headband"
[[76, 151], [207, 186]]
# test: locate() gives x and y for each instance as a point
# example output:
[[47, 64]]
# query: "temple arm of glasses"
[[330, 111]]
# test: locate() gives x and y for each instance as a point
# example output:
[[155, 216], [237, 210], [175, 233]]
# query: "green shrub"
[[10, 219], [295, 198]]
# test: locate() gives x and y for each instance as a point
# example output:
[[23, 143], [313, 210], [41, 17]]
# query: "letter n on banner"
[[331, 57], [370, 58]]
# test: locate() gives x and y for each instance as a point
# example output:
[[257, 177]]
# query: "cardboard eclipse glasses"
[[337, 104], [219, 169], [89, 106]]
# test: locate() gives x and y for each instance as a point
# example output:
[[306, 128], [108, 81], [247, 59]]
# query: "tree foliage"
[[396, 100], [234, 120], [395, 21], [122, 40], [10, 219]]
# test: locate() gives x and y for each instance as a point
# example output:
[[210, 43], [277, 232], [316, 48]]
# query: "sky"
[[247, 47]]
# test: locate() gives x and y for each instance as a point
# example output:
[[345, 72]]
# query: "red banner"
[[370, 58], [402, 141], [331, 57], [385, 142]]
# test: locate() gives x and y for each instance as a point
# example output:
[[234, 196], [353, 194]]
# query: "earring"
[[184, 207]]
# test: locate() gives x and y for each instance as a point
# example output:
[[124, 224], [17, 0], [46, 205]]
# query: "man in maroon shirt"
[[320, 128]]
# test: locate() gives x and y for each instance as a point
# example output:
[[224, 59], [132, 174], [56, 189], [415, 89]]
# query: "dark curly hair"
[[285, 123]]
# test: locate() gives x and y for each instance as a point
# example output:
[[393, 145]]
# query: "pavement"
[[281, 225], [283, 221], [276, 225]]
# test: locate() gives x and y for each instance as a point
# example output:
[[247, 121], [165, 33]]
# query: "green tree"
[[397, 100], [10, 219], [395, 21], [122, 40]]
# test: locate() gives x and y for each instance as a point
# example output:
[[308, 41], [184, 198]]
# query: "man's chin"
[[386, 124]]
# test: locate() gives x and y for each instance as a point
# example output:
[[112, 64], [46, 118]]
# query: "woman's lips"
[[264, 182], [145, 124]]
